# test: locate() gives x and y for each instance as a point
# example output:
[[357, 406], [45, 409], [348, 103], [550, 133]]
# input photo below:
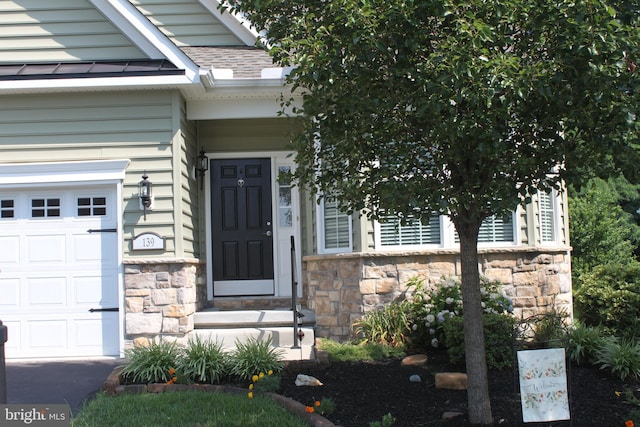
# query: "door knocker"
[[241, 183]]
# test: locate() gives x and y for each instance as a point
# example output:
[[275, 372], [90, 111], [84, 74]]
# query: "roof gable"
[[59, 31], [194, 23]]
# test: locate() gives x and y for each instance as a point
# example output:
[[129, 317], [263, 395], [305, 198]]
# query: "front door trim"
[[281, 252]]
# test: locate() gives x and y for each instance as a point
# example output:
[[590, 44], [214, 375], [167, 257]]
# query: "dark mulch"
[[365, 391]]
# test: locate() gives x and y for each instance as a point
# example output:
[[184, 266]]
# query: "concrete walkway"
[[57, 381]]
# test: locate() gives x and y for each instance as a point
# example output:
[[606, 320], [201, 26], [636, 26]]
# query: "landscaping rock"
[[415, 360], [451, 380], [451, 415], [415, 378]]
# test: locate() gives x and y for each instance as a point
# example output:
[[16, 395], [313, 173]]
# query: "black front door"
[[242, 227]]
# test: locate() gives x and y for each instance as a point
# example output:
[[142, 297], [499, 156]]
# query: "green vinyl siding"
[[139, 126], [187, 23], [190, 194], [57, 31]]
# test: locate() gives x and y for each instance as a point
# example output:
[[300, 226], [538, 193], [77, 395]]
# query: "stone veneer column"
[[342, 287], [160, 298]]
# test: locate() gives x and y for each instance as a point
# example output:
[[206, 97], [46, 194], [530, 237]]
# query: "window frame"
[[321, 231], [554, 197]]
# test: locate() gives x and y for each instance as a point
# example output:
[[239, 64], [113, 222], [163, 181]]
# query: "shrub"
[[388, 325], [203, 361], [431, 308], [253, 356], [498, 336], [610, 297], [353, 352], [621, 358], [152, 363], [584, 343]]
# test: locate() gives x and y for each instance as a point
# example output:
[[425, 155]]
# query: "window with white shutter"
[[495, 229], [334, 234], [413, 232], [546, 215]]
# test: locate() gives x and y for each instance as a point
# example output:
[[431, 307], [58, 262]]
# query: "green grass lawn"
[[184, 408]]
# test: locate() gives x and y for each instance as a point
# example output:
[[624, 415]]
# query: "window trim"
[[320, 227], [447, 236], [377, 227], [554, 196]]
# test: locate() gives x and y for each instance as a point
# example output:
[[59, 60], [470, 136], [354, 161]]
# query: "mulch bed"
[[365, 391]]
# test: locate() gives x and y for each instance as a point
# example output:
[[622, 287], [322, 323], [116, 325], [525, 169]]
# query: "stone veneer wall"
[[160, 298], [342, 287]]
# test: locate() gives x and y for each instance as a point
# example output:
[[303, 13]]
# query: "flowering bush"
[[431, 307]]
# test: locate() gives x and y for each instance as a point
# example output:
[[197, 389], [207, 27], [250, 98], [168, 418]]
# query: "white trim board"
[[20, 174]]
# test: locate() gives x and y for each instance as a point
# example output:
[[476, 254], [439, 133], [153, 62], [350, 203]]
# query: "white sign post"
[[543, 385]]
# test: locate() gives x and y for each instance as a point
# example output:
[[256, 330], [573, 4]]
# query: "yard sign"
[[543, 385]]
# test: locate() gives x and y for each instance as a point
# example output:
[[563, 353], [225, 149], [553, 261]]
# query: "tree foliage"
[[602, 232], [464, 108]]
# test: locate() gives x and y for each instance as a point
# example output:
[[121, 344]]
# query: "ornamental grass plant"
[[254, 355], [203, 361], [200, 362], [622, 358], [152, 363]]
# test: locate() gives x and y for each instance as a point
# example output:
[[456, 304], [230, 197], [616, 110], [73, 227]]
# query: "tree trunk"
[[475, 353]]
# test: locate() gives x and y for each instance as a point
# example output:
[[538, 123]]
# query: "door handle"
[[267, 233]]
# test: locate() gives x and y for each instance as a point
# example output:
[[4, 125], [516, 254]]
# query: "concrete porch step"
[[212, 318], [227, 327]]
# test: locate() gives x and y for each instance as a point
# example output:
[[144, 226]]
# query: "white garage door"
[[59, 271]]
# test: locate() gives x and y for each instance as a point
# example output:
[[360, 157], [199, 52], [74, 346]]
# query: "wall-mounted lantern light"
[[202, 166], [145, 194]]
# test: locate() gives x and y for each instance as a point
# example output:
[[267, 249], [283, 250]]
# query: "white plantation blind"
[[394, 233], [337, 232], [494, 229], [546, 216]]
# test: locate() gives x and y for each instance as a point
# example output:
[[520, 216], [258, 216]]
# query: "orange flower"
[[317, 403], [309, 409], [172, 371], [628, 423]]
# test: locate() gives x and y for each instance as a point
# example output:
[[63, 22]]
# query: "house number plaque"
[[147, 242]]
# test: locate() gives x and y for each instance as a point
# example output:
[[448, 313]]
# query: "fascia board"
[[145, 35], [239, 27], [103, 83]]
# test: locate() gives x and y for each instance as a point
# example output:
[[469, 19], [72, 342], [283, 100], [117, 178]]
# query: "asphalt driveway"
[[57, 381]]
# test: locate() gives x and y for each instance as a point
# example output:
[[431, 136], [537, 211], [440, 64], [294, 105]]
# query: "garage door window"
[[45, 208], [6, 209], [92, 206]]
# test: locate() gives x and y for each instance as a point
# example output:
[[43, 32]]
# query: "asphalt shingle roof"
[[245, 61]]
